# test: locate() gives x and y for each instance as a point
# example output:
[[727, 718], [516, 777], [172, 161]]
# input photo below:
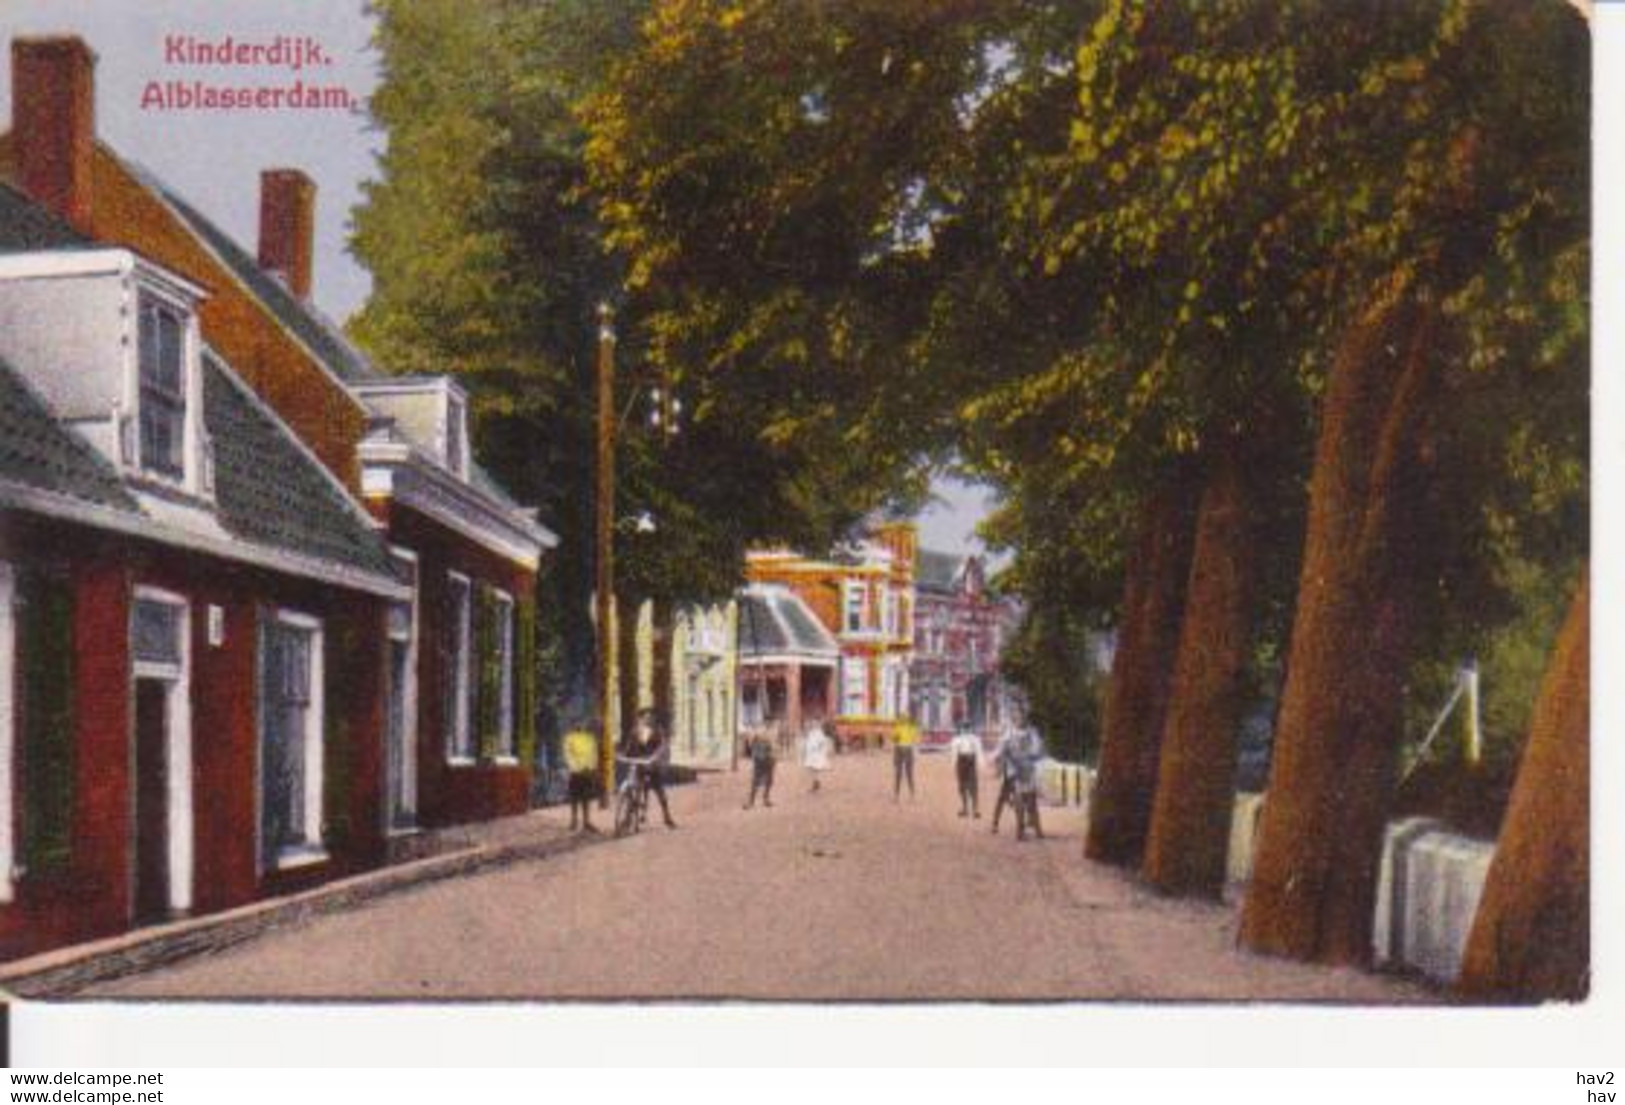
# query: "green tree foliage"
[[1074, 243], [1055, 658], [489, 260], [1071, 247], [487, 263]]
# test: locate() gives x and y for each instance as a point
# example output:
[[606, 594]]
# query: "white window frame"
[[888, 611], [507, 752], [8, 736], [455, 445], [196, 477], [409, 707], [459, 706], [161, 312], [177, 678], [312, 850], [851, 590], [888, 690], [854, 684]]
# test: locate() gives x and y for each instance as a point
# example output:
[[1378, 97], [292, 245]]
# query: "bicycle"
[[632, 795], [1025, 800]]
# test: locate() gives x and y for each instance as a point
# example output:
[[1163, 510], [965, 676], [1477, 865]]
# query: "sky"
[[214, 158]]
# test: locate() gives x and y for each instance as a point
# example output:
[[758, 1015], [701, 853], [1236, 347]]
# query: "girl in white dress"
[[815, 752]]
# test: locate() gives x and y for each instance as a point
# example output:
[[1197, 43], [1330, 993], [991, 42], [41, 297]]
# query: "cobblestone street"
[[840, 894]]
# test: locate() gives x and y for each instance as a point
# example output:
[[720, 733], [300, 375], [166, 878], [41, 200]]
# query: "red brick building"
[[223, 675], [460, 709], [960, 629], [191, 612]]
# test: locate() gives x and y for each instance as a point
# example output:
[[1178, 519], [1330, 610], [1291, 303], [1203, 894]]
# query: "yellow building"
[[863, 594], [704, 682], [704, 664]]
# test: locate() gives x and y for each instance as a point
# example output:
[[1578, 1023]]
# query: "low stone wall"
[[1427, 896], [1064, 784], [1427, 893]]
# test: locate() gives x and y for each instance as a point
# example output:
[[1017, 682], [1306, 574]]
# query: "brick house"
[[960, 628], [863, 594], [192, 611], [459, 714]]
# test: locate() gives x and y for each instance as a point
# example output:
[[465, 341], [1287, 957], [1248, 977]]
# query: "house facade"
[[960, 629], [704, 698], [458, 709], [789, 663], [191, 611], [863, 595]]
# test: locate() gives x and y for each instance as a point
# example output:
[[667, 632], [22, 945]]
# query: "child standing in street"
[[903, 745], [581, 760], [815, 751], [760, 750], [966, 749], [1004, 765]]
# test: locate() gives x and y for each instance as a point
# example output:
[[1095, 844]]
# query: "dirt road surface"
[[842, 894]]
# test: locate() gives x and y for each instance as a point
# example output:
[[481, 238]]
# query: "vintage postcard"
[[795, 501]]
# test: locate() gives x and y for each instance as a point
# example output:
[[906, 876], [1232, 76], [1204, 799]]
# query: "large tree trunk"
[[1531, 939], [1136, 700], [1339, 725], [1190, 819]]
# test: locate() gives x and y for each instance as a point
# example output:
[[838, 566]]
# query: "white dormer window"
[[162, 368], [456, 435], [111, 343]]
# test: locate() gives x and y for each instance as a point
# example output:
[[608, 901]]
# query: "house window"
[[496, 672], [403, 697], [459, 699], [291, 739], [855, 687], [163, 391], [155, 633], [37, 634], [853, 604], [888, 611], [456, 435]]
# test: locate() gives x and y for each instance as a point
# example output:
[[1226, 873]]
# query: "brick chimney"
[[53, 123], [288, 227]]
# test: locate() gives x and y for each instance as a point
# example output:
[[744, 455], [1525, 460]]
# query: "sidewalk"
[[424, 857]]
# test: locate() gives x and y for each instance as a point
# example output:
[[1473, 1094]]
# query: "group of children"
[[816, 749], [647, 745], [1015, 759]]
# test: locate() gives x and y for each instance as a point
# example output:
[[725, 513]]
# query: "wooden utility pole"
[[605, 600]]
